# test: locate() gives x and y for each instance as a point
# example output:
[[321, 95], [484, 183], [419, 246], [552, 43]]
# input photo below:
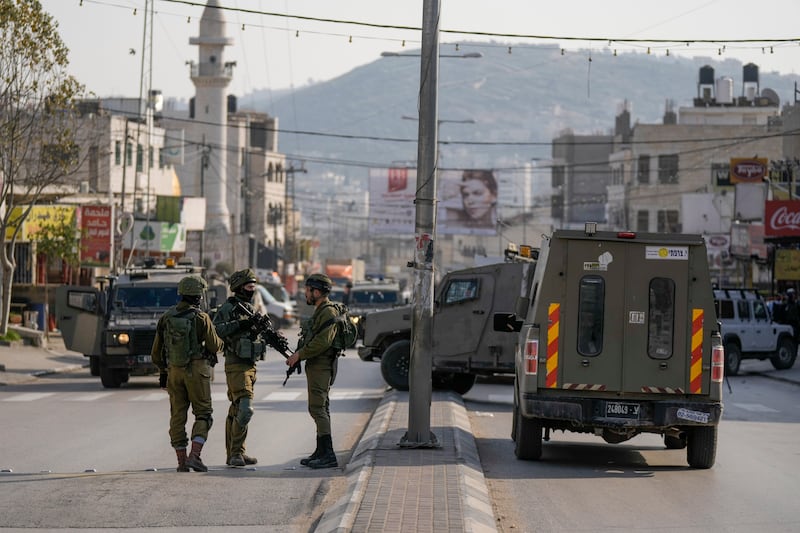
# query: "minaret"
[[211, 76]]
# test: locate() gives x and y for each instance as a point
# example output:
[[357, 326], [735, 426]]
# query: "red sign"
[[96, 235], [398, 179], [782, 218], [748, 170]]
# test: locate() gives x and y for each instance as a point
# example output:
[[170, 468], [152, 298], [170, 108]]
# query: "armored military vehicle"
[[115, 325], [620, 337], [466, 343]]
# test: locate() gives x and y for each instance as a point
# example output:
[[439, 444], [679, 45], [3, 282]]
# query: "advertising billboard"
[[96, 235]]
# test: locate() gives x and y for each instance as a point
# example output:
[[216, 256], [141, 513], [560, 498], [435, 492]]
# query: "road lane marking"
[[28, 396], [756, 408], [346, 395]]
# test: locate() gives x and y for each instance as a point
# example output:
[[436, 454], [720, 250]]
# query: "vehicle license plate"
[[144, 359], [622, 410]]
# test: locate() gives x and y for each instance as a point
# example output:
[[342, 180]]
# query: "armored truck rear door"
[[79, 315], [623, 328]]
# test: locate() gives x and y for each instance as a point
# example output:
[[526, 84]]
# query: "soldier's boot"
[[304, 461], [327, 457], [193, 461], [241, 459], [181, 453]]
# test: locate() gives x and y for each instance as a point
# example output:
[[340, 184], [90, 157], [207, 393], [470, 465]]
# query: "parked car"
[[282, 314], [750, 332]]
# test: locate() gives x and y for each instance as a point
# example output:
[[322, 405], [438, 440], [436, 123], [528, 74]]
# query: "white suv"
[[748, 331]]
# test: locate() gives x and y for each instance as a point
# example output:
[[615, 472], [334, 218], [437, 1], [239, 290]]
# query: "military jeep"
[[620, 337], [466, 344]]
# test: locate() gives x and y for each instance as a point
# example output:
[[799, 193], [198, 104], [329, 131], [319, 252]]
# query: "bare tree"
[[38, 117]]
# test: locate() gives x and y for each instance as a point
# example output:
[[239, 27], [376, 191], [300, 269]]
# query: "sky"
[[276, 48]]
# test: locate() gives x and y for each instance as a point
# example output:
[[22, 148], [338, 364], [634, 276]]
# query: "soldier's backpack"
[[346, 328], [180, 338]]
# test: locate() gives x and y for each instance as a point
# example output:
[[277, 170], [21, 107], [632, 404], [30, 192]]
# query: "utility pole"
[[420, 386]]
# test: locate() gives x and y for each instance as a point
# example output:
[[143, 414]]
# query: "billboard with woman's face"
[[467, 202]]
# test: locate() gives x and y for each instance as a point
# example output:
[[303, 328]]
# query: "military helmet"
[[192, 286], [240, 278], [319, 281]]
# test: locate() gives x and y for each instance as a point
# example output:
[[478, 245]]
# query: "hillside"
[[527, 96]]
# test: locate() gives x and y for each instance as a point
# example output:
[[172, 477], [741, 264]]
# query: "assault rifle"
[[262, 325]]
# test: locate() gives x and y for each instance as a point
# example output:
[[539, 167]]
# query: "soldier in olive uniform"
[[185, 369], [243, 348], [315, 348]]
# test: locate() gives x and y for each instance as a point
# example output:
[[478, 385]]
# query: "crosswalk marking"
[[28, 396], [346, 395], [89, 397], [152, 397], [281, 396]]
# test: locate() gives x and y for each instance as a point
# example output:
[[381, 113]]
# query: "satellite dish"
[[772, 96]]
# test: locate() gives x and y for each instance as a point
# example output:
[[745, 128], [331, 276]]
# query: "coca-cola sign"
[[782, 218], [751, 170]]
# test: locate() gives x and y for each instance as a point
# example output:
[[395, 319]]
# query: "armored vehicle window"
[[82, 300], [146, 296], [590, 315], [661, 323], [373, 297], [461, 290], [744, 309], [724, 309]]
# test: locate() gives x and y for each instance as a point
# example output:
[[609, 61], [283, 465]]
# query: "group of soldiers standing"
[[185, 349]]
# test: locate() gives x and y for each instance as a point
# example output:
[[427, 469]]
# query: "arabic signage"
[[39, 217], [96, 235]]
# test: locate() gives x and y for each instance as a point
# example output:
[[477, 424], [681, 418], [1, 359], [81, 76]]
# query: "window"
[[591, 297], [744, 309], [668, 221], [117, 152], [643, 221], [94, 175], [128, 154], [724, 309], [461, 290], [139, 158], [643, 170], [661, 322], [150, 154], [668, 169], [760, 310]]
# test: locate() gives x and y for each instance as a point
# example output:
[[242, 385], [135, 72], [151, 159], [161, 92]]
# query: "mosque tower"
[[211, 76]]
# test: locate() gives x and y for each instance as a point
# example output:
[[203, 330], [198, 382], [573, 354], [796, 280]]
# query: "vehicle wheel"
[[110, 377], [441, 380], [785, 354], [94, 365], [675, 443], [395, 363], [528, 444], [733, 359], [462, 383], [701, 449]]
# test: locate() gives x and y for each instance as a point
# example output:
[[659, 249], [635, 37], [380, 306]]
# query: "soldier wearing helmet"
[[185, 338], [243, 348], [315, 347]]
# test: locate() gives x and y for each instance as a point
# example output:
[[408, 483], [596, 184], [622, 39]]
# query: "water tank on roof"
[[725, 90], [705, 85], [750, 88]]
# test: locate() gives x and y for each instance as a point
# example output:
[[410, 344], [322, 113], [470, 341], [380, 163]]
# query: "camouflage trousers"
[[189, 386], [319, 376], [240, 379]]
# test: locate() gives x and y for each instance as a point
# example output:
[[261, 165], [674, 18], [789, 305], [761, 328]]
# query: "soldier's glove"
[[162, 379]]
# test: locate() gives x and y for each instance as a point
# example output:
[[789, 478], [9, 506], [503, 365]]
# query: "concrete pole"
[[420, 387]]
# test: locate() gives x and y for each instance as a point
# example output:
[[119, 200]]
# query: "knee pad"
[[245, 412]]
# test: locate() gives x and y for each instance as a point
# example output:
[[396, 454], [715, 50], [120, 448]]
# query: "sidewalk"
[[22, 363]]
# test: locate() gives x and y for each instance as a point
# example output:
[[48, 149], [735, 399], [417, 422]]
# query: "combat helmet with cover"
[[320, 282], [192, 286], [240, 278]]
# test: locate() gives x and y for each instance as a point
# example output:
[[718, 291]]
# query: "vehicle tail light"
[[531, 356], [717, 363]]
